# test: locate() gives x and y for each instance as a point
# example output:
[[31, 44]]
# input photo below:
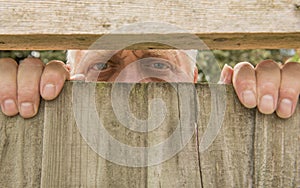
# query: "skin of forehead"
[[178, 57]]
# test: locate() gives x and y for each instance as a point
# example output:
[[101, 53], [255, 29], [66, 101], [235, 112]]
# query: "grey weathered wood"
[[250, 150], [182, 170], [21, 151], [228, 162], [79, 165], [232, 24], [277, 151]]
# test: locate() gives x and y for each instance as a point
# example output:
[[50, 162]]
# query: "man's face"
[[135, 66]]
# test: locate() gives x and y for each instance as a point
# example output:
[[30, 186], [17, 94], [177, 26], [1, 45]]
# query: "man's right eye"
[[100, 66]]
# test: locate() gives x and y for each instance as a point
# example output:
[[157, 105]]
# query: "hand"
[[22, 85], [268, 86]]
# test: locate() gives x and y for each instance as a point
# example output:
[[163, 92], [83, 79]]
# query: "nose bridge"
[[130, 73]]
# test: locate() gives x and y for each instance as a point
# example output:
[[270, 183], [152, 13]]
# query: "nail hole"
[[220, 39]]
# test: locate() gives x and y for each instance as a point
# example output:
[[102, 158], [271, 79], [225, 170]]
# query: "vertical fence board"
[[182, 170], [228, 160], [277, 151], [69, 161], [21, 150]]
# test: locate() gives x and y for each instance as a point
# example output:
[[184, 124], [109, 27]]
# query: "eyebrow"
[[170, 55], [145, 53]]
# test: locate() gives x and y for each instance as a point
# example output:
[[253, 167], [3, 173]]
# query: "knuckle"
[[268, 65], [291, 66], [7, 91], [243, 65], [27, 93], [56, 63], [57, 68], [244, 68], [268, 86], [30, 61], [250, 83], [4, 62], [290, 92]]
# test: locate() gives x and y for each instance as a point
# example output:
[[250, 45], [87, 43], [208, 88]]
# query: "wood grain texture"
[[50, 150], [21, 151], [228, 161], [277, 151], [232, 24], [79, 165]]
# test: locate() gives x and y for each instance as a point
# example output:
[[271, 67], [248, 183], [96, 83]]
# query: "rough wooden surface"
[[277, 151], [21, 151], [229, 161], [232, 24], [250, 149]]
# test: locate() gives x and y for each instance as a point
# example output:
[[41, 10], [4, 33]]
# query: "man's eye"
[[160, 66], [100, 66], [157, 65]]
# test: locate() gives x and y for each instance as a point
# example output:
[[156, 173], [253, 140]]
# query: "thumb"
[[226, 75]]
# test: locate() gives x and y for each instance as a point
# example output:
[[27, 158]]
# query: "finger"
[[226, 75], [289, 89], [244, 83], [8, 85], [29, 75], [53, 78], [268, 83], [78, 77]]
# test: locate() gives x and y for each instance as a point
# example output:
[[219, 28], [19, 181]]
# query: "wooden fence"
[[250, 150]]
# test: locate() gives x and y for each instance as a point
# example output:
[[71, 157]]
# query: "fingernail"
[[249, 99], [286, 107], [266, 105], [27, 109], [49, 91], [9, 105]]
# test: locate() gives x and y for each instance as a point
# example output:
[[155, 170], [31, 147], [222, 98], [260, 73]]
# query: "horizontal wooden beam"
[[233, 24], [230, 146], [224, 41]]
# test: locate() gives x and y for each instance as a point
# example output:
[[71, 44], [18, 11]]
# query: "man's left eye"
[[100, 66], [160, 66], [157, 65]]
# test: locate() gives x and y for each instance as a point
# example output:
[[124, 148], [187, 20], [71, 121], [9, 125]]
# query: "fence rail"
[[232, 24], [250, 150]]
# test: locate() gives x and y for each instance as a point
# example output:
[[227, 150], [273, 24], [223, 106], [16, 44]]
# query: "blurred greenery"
[[211, 62], [45, 56], [206, 59]]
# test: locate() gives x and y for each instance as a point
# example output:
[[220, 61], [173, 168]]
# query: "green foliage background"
[[45, 56]]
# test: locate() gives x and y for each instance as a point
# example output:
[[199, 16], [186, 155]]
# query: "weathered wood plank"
[[228, 161], [225, 41], [69, 161], [277, 151], [232, 24], [21, 151], [182, 170]]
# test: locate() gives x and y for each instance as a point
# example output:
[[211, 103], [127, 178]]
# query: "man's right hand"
[[22, 85]]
